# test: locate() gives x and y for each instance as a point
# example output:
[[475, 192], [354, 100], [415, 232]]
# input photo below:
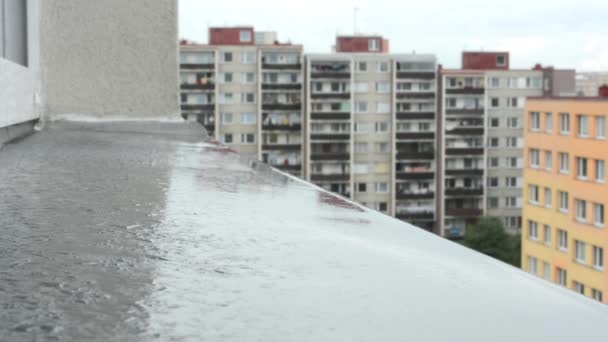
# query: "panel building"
[[246, 88], [565, 193]]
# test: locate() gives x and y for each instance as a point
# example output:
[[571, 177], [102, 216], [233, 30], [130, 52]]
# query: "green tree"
[[489, 237]]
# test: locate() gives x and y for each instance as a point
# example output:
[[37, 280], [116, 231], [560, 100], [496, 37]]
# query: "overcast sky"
[[563, 33]]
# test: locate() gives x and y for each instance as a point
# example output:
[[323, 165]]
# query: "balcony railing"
[[413, 155], [282, 106], [464, 192], [281, 66], [281, 86], [415, 195], [463, 212], [476, 111], [405, 175], [206, 107], [415, 115], [466, 131], [464, 151], [197, 66], [416, 96], [330, 136], [464, 172], [207, 86], [415, 135], [330, 116], [416, 75], [330, 156], [328, 96], [339, 177], [282, 147], [428, 214], [288, 167], [466, 90], [282, 127]]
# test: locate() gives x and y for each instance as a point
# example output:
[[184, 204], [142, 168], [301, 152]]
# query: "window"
[[382, 187], [383, 87], [361, 87], [597, 295], [582, 168], [548, 198], [493, 162], [581, 210], [228, 138], [511, 202], [535, 121], [362, 66], [494, 122], [579, 250], [562, 240], [248, 138], [534, 158], [501, 60], [227, 77], [532, 230], [248, 57], [598, 214], [547, 271], [494, 82], [381, 147], [248, 98], [494, 102], [583, 126], [533, 194], [564, 163], [549, 122], [383, 107], [227, 98], [361, 147], [361, 187], [512, 141], [13, 31], [382, 206], [374, 45], [532, 265], [227, 57], [248, 118], [547, 234], [513, 122], [578, 287], [564, 123], [493, 142], [248, 77], [381, 126], [364, 127], [562, 276], [493, 182], [383, 67], [600, 171], [598, 257], [227, 118], [361, 107], [600, 127], [493, 202], [563, 201], [511, 182], [245, 36], [548, 160]]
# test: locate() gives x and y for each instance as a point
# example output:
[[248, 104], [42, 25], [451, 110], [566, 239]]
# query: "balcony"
[[197, 66], [415, 195], [208, 86], [416, 215], [330, 96], [343, 177], [463, 212], [203, 107], [415, 115], [282, 106], [464, 151], [415, 135], [464, 172], [281, 86], [281, 66], [416, 96], [416, 75], [281, 127], [466, 91], [288, 167], [330, 136], [466, 131], [464, 192], [282, 147], [340, 156], [475, 111], [405, 175], [330, 116], [413, 155], [339, 70]]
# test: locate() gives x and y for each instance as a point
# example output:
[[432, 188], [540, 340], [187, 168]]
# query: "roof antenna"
[[355, 11]]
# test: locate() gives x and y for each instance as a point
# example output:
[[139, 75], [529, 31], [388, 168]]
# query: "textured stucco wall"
[[111, 57]]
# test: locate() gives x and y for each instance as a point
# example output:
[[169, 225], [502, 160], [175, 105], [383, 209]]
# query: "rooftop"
[[144, 230]]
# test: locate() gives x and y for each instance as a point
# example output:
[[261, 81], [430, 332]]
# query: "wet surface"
[[138, 232]]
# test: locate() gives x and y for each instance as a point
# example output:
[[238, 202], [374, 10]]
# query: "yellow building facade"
[[564, 235]]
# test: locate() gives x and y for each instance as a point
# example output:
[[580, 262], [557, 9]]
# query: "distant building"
[[588, 83], [246, 88], [565, 193]]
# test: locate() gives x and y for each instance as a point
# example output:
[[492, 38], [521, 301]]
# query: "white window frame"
[[580, 251], [583, 126], [598, 258], [547, 234], [548, 122], [562, 240], [564, 199], [600, 171], [564, 163], [600, 127], [381, 187], [564, 123], [532, 230], [226, 115], [599, 215], [548, 197], [581, 210], [245, 36]]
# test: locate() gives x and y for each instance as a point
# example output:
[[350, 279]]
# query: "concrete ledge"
[[17, 131]]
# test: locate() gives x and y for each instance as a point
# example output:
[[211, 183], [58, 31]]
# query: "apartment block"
[[481, 142], [371, 123], [565, 193], [246, 88]]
